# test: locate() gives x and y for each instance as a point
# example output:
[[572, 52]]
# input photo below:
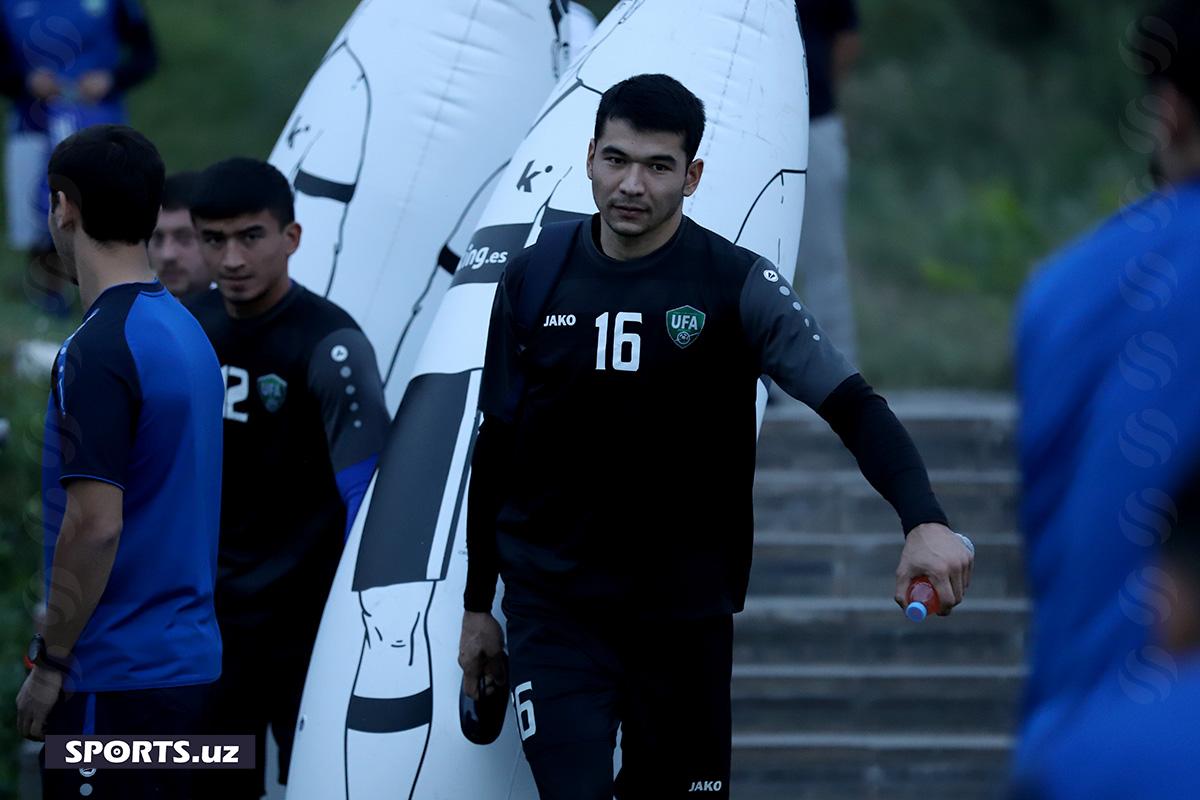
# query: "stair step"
[[941, 443], [774, 630], [878, 671], [842, 500], [840, 766], [846, 564], [890, 743], [875, 699], [952, 430], [836, 696]]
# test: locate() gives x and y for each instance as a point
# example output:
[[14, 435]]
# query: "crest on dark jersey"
[[684, 324], [272, 389]]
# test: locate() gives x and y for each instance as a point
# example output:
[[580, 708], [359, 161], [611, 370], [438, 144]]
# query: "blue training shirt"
[[136, 402], [1136, 745], [1108, 340]]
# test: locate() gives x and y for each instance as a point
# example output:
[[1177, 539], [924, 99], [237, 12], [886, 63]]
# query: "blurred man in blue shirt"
[[131, 482], [1139, 741], [1107, 348], [65, 65]]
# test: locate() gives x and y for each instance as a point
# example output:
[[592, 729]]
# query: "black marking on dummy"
[[414, 469], [389, 714], [311, 185], [578, 84], [447, 260], [462, 492], [778, 176]]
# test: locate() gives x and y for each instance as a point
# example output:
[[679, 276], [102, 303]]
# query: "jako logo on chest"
[[559, 321]]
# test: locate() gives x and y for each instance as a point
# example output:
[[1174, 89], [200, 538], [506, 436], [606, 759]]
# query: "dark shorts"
[[665, 683], [261, 682], [151, 712]]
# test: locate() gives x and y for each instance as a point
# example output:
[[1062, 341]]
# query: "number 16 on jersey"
[[620, 340]]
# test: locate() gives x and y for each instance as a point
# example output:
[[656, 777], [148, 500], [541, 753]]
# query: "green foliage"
[[982, 136], [231, 73], [23, 404]]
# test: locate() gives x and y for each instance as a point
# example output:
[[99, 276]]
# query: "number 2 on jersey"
[[620, 340], [235, 392]]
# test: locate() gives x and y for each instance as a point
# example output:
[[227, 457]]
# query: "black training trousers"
[[577, 676], [171, 712]]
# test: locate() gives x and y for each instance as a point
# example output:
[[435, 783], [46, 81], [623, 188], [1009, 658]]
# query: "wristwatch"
[[38, 655]]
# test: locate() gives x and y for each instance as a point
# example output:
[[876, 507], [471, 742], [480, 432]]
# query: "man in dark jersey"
[[616, 500], [131, 482], [304, 421]]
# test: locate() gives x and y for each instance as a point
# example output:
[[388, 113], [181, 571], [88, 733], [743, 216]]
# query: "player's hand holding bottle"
[[935, 567]]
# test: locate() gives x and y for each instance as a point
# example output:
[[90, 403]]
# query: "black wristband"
[[40, 656]]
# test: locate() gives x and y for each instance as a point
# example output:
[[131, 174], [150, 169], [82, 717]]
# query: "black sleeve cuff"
[[480, 593], [885, 452]]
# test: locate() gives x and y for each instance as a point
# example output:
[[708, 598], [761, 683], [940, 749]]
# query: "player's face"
[[248, 256], [175, 254], [639, 178]]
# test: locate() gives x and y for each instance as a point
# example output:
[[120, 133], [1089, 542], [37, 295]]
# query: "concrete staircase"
[[835, 695]]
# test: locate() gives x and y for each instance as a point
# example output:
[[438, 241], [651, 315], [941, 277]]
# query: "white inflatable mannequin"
[[392, 151], [395, 146]]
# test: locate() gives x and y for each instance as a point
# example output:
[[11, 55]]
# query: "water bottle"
[[921, 599], [482, 720]]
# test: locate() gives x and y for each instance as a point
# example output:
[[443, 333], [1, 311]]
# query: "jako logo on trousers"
[[706, 786]]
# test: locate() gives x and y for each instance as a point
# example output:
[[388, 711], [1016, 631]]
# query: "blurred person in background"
[[305, 419], [832, 45], [175, 253], [65, 65], [131, 482], [1142, 744], [1106, 352]]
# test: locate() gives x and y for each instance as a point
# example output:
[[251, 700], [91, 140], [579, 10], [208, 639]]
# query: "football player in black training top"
[[615, 500], [305, 419]]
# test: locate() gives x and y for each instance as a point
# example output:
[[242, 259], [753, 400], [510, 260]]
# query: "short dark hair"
[[1172, 53], [178, 191], [238, 186], [114, 175], [654, 103]]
